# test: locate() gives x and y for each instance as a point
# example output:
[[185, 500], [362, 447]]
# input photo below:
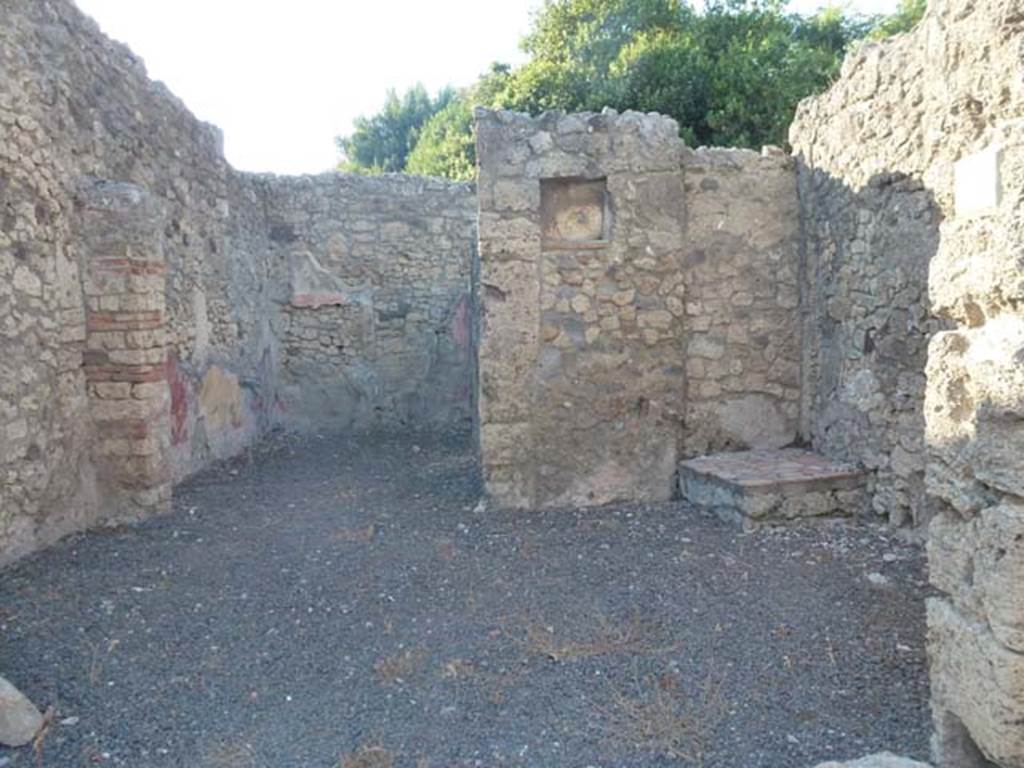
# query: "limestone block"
[[19, 718], [26, 281], [952, 543], [503, 238], [949, 425], [510, 318], [979, 563], [979, 681], [506, 444], [510, 486], [881, 760], [999, 571], [706, 347], [756, 421], [995, 360], [990, 282]]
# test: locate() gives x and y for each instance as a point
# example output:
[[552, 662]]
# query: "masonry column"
[[121, 237], [974, 412], [581, 356]]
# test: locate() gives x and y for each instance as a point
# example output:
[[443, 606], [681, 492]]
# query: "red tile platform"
[[765, 485]]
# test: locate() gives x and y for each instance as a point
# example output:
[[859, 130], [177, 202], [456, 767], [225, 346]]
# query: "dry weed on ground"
[[357, 535], [231, 755], [605, 636], [369, 756], [399, 667], [669, 718]]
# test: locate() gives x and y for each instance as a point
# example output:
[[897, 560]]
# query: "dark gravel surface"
[[340, 602]]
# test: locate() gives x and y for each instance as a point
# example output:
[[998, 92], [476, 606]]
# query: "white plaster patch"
[[312, 285], [977, 183]]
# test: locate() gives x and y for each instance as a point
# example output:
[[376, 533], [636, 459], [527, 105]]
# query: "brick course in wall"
[[125, 361]]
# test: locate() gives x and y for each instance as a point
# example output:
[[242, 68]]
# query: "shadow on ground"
[[338, 602]]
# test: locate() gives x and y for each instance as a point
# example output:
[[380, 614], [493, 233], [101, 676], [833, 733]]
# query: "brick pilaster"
[[126, 346]]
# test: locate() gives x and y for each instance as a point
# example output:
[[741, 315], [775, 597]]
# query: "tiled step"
[[772, 485]]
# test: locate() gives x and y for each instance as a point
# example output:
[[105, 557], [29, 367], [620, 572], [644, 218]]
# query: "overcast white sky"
[[282, 79]]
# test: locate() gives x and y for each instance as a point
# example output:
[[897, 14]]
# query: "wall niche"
[[574, 213]]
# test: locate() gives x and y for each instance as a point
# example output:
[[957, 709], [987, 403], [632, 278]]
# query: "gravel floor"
[[339, 602]]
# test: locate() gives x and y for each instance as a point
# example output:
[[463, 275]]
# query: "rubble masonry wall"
[[911, 168], [151, 309], [639, 305]]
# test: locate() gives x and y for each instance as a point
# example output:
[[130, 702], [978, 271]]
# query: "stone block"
[[979, 563], [978, 682], [975, 403], [771, 485], [19, 718], [754, 421], [999, 571], [881, 760], [516, 195], [312, 286], [506, 444]]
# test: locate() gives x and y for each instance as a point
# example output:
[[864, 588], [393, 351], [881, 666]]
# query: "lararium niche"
[[573, 213]]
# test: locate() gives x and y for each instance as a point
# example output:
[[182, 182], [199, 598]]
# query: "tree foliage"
[[446, 145], [382, 143], [730, 74], [906, 17]]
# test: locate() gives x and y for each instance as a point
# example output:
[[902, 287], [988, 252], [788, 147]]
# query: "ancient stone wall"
[[974, 416], [581, 349], [75, 105], [741, 272], [639, 305], [373, 278], [870, 228], [125, 360], [126, 364], [919, 152]]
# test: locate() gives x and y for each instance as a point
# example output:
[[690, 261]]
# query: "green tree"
[[731, 74], [906, 17], [664, 70], [447, 141], [763, 62], [588, 34], [446, 145], [572, 48], [382, 143]]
